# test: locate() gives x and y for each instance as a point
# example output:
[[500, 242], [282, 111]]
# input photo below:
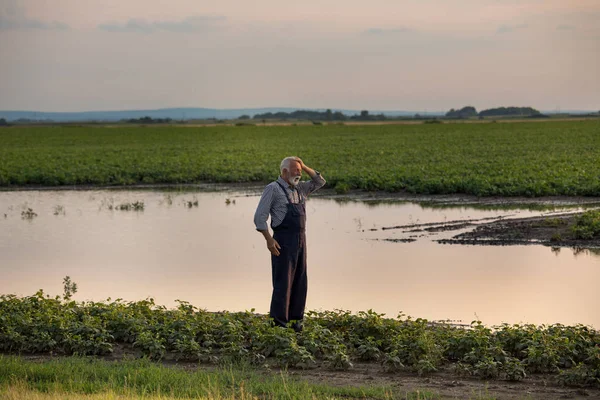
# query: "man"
[[284, 200]]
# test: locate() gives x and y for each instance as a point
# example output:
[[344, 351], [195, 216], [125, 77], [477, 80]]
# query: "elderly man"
[[285, 200]]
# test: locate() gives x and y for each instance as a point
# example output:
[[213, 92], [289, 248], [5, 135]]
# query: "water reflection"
[[203, 248], [578, 251]]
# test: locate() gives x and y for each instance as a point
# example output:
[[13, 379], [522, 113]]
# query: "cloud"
[[12, 17], [510, 28], [565, 28], [382, 31], [188, 25]]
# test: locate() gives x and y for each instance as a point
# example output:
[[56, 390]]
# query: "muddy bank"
[[553, 231], [550, 229]]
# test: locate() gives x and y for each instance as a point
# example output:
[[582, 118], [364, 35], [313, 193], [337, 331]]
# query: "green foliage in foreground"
[[506, 159], [144, 378], [587, 225], [39, 324]]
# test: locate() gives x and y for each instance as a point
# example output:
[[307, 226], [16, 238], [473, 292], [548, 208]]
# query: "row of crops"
[[333, 339], [484, 159]]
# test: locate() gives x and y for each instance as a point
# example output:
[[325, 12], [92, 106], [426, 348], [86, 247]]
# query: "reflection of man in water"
[[285, 200]]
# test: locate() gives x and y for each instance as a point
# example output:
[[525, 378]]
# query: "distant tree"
[[365, 116], [244, 116], [3, 122], [339, 116], [465, 112], [302, 115], [149, 120], [509, 111]]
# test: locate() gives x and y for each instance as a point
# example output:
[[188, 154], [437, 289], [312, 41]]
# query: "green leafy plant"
[[69, 288], [331, 339], [587, 225]]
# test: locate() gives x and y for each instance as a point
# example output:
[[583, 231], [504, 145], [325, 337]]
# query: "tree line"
[[327, 115], [149, 120], [470, 112]]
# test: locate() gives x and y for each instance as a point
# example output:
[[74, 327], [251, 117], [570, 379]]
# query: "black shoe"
[[297, 326]]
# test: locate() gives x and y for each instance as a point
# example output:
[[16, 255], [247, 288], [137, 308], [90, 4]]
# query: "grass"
[[100, 379], [75, 378], [512, 159]]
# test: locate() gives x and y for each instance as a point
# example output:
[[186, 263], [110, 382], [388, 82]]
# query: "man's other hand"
[[273, 247]]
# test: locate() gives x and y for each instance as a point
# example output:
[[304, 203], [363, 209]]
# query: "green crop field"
[[484, 159]]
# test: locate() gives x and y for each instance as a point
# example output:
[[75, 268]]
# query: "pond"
[[202, 247]]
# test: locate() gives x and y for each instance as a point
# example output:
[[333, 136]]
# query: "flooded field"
[[203, 248]]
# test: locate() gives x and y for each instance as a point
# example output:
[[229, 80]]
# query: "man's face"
[[294, 174]]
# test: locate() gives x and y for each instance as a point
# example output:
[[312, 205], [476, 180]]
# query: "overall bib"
[[290, 282]]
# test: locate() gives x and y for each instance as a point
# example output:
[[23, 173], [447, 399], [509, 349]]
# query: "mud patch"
[[554, 231], [409, 240]]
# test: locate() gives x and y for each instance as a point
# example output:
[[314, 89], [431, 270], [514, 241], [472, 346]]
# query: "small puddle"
[[203, 248]]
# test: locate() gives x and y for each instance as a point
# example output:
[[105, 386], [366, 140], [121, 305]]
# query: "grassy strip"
[[530, 159], [39, 324], [132, 379]]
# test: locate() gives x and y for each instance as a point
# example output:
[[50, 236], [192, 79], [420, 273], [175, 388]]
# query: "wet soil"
[[553, 231]]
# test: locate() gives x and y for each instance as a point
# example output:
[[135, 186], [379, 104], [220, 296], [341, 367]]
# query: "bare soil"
[[447, 384]]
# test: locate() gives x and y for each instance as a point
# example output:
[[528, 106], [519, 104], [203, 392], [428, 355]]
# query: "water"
[[211, 256]]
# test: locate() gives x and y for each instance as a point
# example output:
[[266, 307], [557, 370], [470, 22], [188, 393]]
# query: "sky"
[[417, 55]]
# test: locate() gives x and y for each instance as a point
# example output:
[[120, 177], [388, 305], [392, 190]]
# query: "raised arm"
[[316, 180]]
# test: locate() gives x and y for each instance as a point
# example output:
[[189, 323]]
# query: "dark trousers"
[[290, 282]]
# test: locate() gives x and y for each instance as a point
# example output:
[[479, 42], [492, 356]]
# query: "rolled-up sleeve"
[[316, 183], [264, 207]]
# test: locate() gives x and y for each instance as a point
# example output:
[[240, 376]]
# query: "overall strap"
[[286, 195], [284, 192]]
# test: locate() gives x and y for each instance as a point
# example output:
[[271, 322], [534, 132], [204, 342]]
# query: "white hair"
[[285, 163]]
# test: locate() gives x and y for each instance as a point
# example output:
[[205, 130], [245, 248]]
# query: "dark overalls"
[[290, 282]]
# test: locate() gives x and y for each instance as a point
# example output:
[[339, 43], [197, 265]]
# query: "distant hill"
[[176, 114]]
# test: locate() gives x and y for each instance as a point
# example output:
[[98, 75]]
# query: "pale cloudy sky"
[[78, 55]]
